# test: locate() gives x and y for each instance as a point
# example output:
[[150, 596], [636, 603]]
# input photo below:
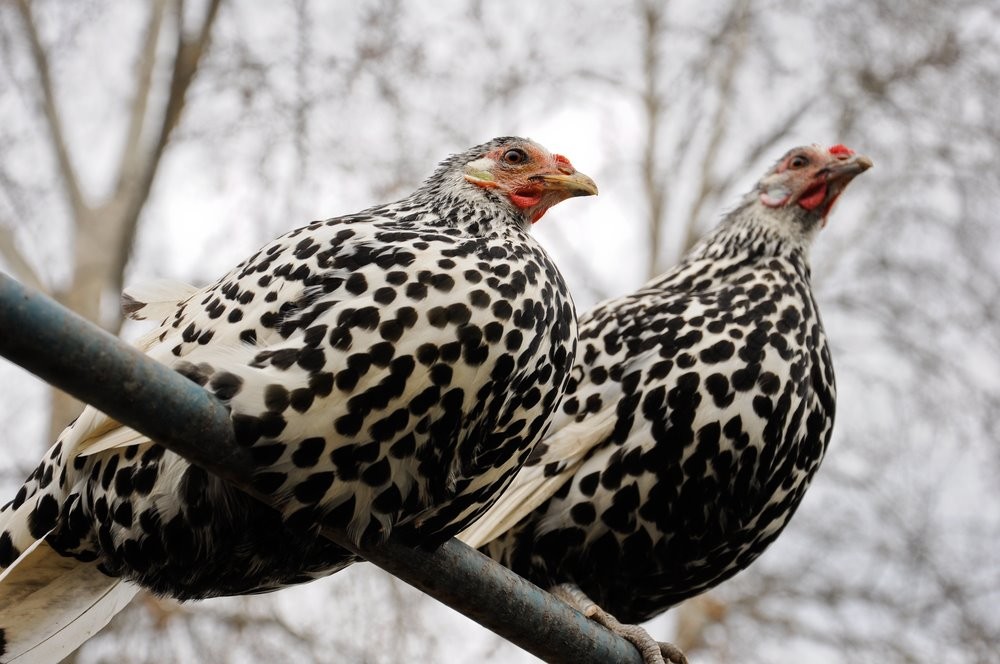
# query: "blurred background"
[[171, 139]]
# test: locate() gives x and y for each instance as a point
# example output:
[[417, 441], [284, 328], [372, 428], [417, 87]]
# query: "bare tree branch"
[[18, 264], [767, 142], [41, 61], [132, 151], [735, 28], [655, 192], [190, 51]]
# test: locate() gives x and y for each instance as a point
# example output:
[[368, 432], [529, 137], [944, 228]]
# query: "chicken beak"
[[835, 178], [572, 184], [846, 170]]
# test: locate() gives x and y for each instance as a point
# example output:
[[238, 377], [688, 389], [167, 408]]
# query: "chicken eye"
[[798, 161], [515, 156]]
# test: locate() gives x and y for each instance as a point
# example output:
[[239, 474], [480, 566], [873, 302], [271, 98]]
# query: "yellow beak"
[[574, 184]]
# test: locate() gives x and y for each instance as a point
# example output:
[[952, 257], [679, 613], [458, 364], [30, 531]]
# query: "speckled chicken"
[[389, 370], [697, 413]]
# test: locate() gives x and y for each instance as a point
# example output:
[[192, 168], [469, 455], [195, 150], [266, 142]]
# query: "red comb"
[[561, 159], [840, 149]]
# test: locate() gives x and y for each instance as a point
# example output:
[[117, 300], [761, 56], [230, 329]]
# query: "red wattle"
[[526, 197], [526, 200], [814, 199]]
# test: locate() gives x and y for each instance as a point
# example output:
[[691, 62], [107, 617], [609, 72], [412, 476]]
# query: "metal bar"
[[94, 366], [503, 602], [78, 357]]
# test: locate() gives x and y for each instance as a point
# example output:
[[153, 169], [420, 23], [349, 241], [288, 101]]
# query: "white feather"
[[568, 446], [50, 605], [156, 299], [118, 437]]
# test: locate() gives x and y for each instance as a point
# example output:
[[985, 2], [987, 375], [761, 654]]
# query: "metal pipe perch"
[[94, 366]]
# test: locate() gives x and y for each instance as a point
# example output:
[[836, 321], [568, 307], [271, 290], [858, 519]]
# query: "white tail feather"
[[98, 433], [50, 605], [530, 488], [156, 299], [120, 437]]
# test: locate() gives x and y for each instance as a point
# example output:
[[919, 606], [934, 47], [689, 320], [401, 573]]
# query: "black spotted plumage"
[[698, 411], [363, 361]]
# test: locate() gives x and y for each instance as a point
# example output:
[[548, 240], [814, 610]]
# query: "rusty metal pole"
[[96, 367]]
